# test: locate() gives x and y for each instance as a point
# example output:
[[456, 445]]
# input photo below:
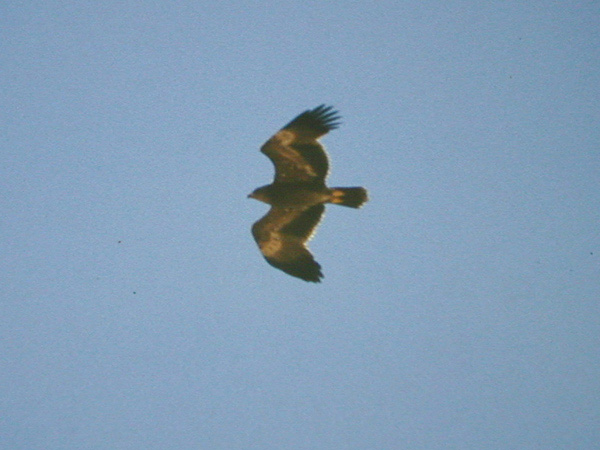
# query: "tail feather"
[[352, 197]]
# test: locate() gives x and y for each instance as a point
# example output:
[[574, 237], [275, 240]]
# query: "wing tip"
[[305, 269], [320, 120], [328, 116], [313, 278]]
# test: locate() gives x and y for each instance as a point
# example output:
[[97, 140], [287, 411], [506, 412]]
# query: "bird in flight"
[[298, 193]]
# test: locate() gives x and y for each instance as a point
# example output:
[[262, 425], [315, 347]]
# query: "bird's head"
[[260, 194]]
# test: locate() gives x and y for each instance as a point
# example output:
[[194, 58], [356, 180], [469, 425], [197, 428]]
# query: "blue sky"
[[460, 307]]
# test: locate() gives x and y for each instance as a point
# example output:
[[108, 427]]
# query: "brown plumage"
[[298, 193]]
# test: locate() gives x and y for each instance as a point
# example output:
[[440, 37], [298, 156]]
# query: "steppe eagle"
[[298, 193]]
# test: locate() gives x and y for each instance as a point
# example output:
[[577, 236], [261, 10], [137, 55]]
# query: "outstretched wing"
[[281, 236], [295, 151]]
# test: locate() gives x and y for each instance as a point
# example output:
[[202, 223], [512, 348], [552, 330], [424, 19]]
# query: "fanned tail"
[[353, 197]]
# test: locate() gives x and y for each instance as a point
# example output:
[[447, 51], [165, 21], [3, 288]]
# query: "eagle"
[[298, 193]]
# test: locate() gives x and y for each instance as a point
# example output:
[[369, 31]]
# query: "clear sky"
[[460, 307]]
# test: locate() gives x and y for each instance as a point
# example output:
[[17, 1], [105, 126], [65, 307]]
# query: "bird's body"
[[292, 195], [298, 193]]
